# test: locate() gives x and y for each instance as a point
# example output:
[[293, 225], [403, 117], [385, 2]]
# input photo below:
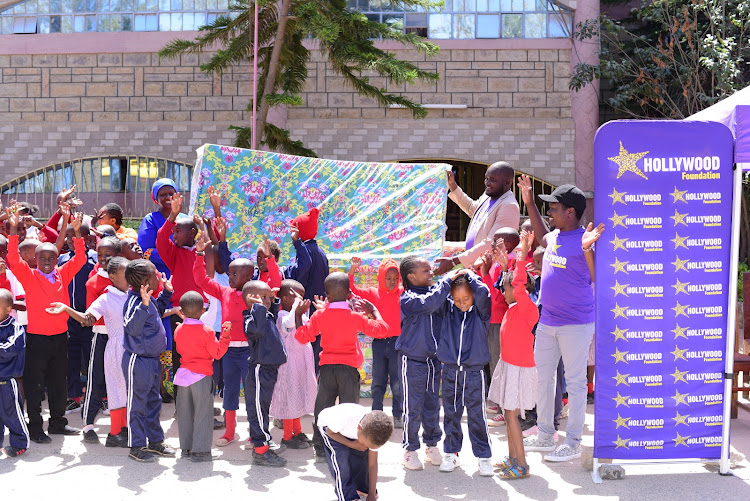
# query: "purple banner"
[[664, 191]]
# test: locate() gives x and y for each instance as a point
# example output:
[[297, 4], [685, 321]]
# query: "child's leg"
[[559, 393], [431, 411], [95, 388], [153, 429], [296, 426], [118, 420], [379, 373], [476, 413], [337, 456], [394, 380], [453, 409], [414, 381], [359, 469], [258, 394], [136, 381], [57, 386], [33, 380], [328, 391], [288, 428], [185, 407], [348, 383], [515, 437], [75, 358], [203, 414], [12, 415], [547, 357], [235, 368]]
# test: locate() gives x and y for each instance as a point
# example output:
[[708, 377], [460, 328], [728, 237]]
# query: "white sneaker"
[[485, 467], [535, 444], [450, 462], [531, 431], [411, 461], [564, 453], [432, 454], [493, 409]]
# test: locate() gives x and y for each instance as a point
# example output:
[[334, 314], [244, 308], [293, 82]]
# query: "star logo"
[[679, 398], [621, 400], [680, 309], [619, 289], [619, 311], [620, 333], [679, 241], [619, 243], [621, 421], [621, 379], [553, 247], [617, 220], [680, 440], [620, 355], [621, 442], [679, 218], [680, 287], [627, 162], [620, 265], [616, 196], [678, 353], [679, 375], [679, 264], [680, 419], [678, 196], [679, 332]]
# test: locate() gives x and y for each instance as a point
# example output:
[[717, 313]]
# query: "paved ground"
[[67, 469]]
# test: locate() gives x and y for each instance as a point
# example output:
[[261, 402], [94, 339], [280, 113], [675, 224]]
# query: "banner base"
[[597, 478]]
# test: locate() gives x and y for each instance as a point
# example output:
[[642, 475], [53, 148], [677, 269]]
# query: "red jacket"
[[273, 276], [338, 329], [387, 302], [198, 346], [180, 262], [40, 292], [96, 285], [232, 304], [516, 338]]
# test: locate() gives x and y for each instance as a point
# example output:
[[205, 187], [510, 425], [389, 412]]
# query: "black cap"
[[569, 195]]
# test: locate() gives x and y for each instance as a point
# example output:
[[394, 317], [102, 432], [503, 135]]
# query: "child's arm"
[[164, 300], [352, 444], [68, 270], [301, 269], [18, 266], [274, 273], [372, 463], [376, 328], [208, 285], [85, 319], [308, 332], [365, 293], [432, 301], [537, 221], [214, 197], [65, 211], [482, 298], [164, 245], [590, 236], [216, 348], [256, 323], [14, 345]]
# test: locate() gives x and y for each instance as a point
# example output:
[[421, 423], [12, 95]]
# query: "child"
[[296, 388], [464, 352], [268, 268], [515, 379], [10, 282], [337, 326], [199, 348], [267, 353], [385, 297], [12, 355], [47, 337], [352, 434], [144, 340]]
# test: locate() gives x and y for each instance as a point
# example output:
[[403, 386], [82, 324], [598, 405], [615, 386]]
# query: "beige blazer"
[[504, 213]]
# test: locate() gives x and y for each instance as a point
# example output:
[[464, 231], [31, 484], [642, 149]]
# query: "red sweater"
[[40, 292], [232, 304], [516, 338], [387, 302], [179, 260], [338, 329], [198, 346], [96, 285], [273, 276]]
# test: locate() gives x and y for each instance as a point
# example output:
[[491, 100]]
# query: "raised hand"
[[56, 308], [527, 193], [214, 197], [77, 222], [451, 180], [486, 263], [221, 228], [356, 263], [12, 219], [320, 303], [226, 329], [253, 299], [165, 282], [591, 235], [303, 306], [501, 257], [266, 246], [443, 265], [65, 194], [146, 294], [364, 306], [525, 244], [294, 232], [202, 243], [177, 199], [3, 266]]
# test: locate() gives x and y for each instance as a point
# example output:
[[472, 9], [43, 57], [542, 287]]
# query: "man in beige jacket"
[[496, 208]]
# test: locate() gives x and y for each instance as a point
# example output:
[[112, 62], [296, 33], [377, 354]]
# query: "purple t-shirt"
[[567, 295]]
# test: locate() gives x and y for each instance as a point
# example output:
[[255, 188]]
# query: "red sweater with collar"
[[40, 292], [516, 338], [96, 285], [180, 262], [198, 346]]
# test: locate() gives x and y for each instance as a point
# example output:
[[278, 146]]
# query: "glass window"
[[440, 26], [188, 21], [176, 22], [163, 22], [373, 17], [55, 24], [188, 4], [200, 19], [466, 5], [535, 25], [55, 6], [560, 25], [395, 21], [416, 20], [24, 24], [43, 7], [6, 25], [488, 26], [152, 5], [175, 4], [512, 25], [463, 25]]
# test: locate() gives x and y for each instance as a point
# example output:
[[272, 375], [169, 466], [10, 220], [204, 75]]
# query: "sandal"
[[224, 441], [514, 472], [505, 463]]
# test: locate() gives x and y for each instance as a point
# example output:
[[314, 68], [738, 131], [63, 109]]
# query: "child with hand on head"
[[268, 268], [199, 348], [12, 356]]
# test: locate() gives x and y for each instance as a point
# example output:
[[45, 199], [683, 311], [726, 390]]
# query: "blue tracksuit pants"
[[143, 381], [96, 386], [385, 371], [465, 389], [11, 415], [79, 348], [235, 367], [421, 383], [261, 380], [349, 468]]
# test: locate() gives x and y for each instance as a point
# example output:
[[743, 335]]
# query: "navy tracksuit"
[[145, 338], [235, 366], [385, 362], [267, 353], [464, 352], [12, 357], [97, 386], [349, 467], [421, 319]]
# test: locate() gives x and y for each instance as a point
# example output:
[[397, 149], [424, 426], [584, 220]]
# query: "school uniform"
[[96, 286], [12, 356]]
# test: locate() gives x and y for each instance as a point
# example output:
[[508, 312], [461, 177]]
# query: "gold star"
[[619, 243], [619, 311], [679, 241], [680, 287], [679, 218], [621, 400], [620, 379], [679, 398], [619, 288], [680, 419], [618, 220], [627, 162], [678, 196], [679, 375], [620, 333], [678, 353], [680, 309], [680, 332], [621, 421], [680, 440], [679, 264], [554, 247], [620, 355], [619, 265], [621, 442], [616, 196]]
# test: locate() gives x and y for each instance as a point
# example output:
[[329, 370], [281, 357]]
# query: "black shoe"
[[167, 398], [13, 452], [124, 432], [319, 454], [268, 458], [116, 440], [219, 425], [72, 406], [141, 454], [295, 443], [590, 398], [63, 430], [202, 457], [185, 454], [217, 412], [90, 437], [302, 436], [161, 449], [40, 438]]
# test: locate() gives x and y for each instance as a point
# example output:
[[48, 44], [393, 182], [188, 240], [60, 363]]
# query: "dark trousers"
[[261, 380], [384, 372], [316, 354], [175, 354], [79, 349], [11, 415], [46, 366], [143, 381], [349, 468], [218, 376], [96, 386], [235, 367], [465, 389], [421, 381], [336, 381]]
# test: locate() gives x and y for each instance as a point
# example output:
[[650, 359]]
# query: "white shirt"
[[343, 418], [17, 290]]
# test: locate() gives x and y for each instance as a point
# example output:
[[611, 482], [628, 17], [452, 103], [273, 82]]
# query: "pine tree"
[[345, 37]]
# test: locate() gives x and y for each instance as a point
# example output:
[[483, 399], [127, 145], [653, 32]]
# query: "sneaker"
[[535, 444], [161, 449], [268, 458], [497, 420], [105, 407], [185, 454], [564, 453], [590, 398], [277, 423], [167, 398], [13, 452], [411, 461], [118, 440], [140, 454], [295, 443], [398, 422], [219, 425], [277, 448], [72, 406], [493, 409], [302, 436], [90, 437], [40, 438], [527, 423], [485, 467], [564, 412], [531, 431], [202, 457], [433, 455], [450, 462], [63, 430], [217, 412], [319, 453]]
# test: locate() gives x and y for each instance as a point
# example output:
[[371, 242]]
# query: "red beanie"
[[307, 224]]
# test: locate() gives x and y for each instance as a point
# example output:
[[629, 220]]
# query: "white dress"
[[110, 305]]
